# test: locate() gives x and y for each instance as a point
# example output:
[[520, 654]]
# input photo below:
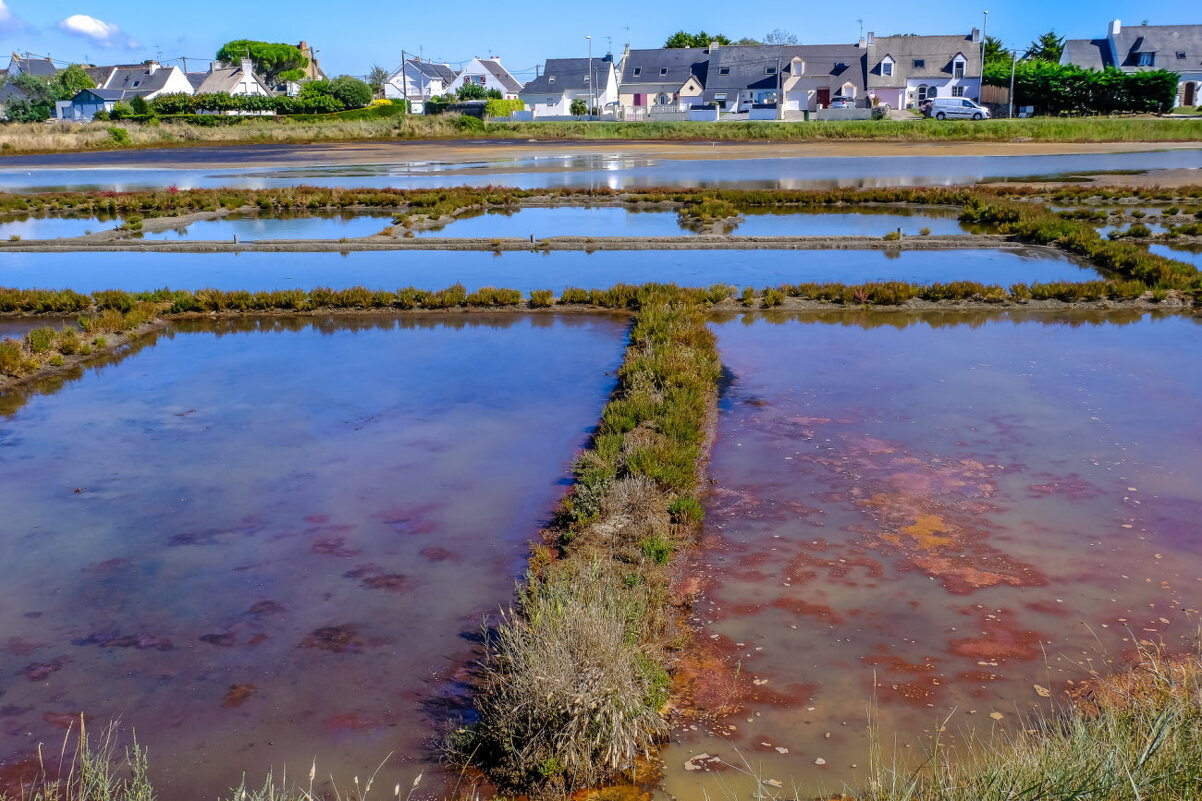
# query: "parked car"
[[942, 108], [842, 102]]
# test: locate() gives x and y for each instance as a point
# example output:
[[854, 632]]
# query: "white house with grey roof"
[[904, 71], [239, 80], [789, 78], [417, 81], [121, 85], [563, 80], [487, 73], [1134, 48], [663, 78]]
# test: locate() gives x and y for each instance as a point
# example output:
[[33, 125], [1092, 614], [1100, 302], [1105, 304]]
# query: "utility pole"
[[984, 38], [1013, 64], [405, 81], [591, 90], [780, 92]]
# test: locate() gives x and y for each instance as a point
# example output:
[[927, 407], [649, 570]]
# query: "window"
[[550, 101], [720, 97], [958, 69], [586, 78], [957, 91], [636, 72], [966, 103], [1147, 59], [1181, 54], [769, 70], [920, 63], [137, 83], [663, 71], [724, 70], [886, 68]]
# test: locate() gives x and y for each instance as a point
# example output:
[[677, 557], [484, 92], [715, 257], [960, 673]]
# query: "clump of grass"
[[892, 236], [924, 231], [92, 770], [541, 299], [1133, 736]]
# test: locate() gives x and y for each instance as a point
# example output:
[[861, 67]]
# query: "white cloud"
[[90, 27], [9, 20]]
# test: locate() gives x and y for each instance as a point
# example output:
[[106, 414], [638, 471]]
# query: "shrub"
[[466, 122], [117, 135], [541, 298]]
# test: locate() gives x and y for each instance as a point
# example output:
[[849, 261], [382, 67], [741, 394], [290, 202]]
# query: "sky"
[[351, 36]]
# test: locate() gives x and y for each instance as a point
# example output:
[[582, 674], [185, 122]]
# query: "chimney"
[[152, 67], [1116, 27], [248, 67], [713, 46], [870, 39], [976, 36], [303, 47]]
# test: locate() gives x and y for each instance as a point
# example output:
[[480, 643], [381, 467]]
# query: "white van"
[[943, 108]]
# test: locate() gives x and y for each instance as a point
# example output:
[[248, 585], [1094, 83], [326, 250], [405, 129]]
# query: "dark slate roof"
[[127, 77], [665, 65], [41, 67], [8, 92], [110, 94], [501, 74], [736, 67], [936, 53], [843, 63], [196, 79], [1092, 54], [1166, 41], [560, 74], [442, 72]]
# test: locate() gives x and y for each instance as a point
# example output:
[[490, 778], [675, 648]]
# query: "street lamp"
[[592, 101], [984, 37]]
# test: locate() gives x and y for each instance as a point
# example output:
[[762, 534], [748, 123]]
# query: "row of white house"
[[900, 71], [894, 71]]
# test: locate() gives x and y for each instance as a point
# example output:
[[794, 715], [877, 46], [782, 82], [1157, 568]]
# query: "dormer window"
[[550, 79], [886, 68], [1147, 59], [920, 63], [957, 69], [1181, 54], [636, 72], [769, 70], [586, 78], [663, 71]]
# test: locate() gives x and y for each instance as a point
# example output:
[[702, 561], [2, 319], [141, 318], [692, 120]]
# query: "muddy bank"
[[694, 242]]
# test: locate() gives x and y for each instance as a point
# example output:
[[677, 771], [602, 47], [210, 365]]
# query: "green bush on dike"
[[541, 298]]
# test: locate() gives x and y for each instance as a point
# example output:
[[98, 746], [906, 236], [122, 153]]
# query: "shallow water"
[[17, 327], [260, 542], [864, 222], [928, 516], [134, 170], [249, 227], [28, 226], [1186, 253], [90, 271]]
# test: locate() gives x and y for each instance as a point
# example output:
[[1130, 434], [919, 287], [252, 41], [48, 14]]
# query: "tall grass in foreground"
[[574, 681], [1134, 736], [87, 769]]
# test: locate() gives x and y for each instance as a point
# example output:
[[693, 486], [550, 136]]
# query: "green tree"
[[1046, 47], [377, 76], [35, 101], [780, 37], [70, 82], [699, 39], [578, 108], [996, 52], [471, 91], [139, 106], [352, 92], [275, 61]]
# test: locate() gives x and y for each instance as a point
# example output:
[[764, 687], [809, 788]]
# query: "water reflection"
[[524, 270], [930, 517], [276, 544], [614, 170]]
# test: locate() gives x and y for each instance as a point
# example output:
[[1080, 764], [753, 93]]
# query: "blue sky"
[[352, 35]]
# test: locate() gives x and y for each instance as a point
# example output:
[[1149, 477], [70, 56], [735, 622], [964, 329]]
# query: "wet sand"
[[352, 153]]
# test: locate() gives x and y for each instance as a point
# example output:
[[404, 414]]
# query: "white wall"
[[474, 71]]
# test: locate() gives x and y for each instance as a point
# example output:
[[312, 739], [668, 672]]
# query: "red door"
[[824, 97], [640, 100]]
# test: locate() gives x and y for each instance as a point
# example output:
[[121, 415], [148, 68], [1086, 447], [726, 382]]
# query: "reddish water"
[[261, 543], [928, 517]]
